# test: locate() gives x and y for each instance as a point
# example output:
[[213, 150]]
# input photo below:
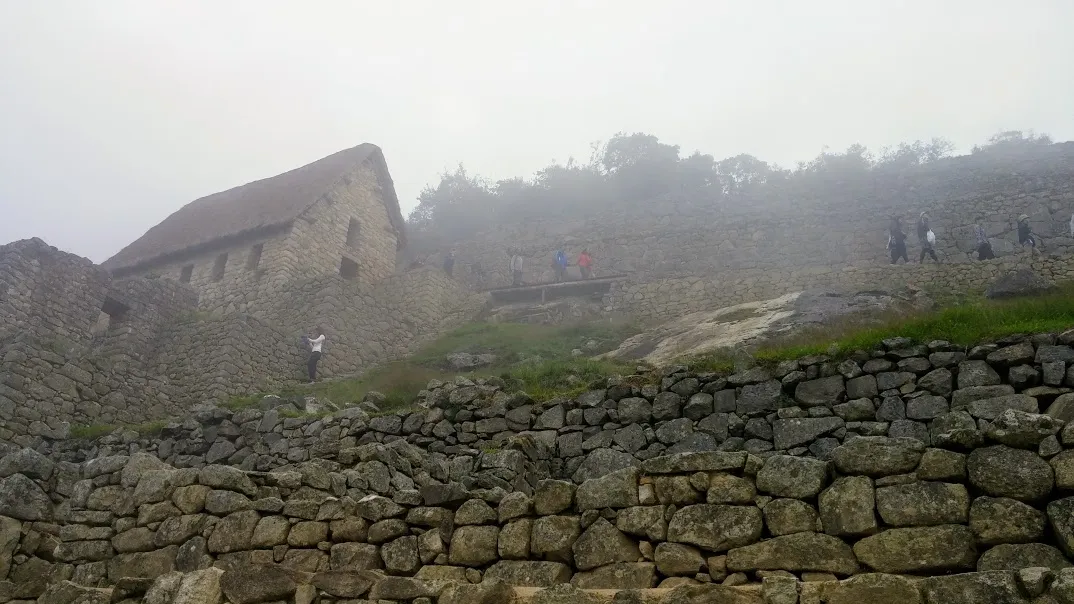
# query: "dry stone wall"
[[78, 348], [670, 297], [912, 473], [822, 224]]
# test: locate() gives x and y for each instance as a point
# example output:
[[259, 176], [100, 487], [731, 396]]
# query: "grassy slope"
[[558, 373]]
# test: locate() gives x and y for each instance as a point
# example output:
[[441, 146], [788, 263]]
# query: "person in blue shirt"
[[560, 265]]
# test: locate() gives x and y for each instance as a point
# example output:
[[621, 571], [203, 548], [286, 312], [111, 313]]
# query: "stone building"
[[336, 216]]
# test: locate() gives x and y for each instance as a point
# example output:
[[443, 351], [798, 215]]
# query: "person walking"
[[1025, 235], [449, 263], [984, 246], [516, 269], [897, 241], [585, 264], [559, 265], [927, 238], [315, 355]]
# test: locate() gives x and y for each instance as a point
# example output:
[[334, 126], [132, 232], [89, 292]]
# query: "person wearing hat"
[[1025, 234], [923, 236], [897, 241], [984, 246]]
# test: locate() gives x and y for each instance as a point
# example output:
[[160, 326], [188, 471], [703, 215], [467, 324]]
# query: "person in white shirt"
[[315, 355]]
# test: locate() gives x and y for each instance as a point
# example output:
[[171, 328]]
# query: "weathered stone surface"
[[716, 528], [22, 499], [1023, 430], [602, 544], [976, 373], [553, 537], [878, 456], [789, 516], [826, 391], [1001, 471], [344, 584], [996, 520], [142, 564], [601, 462], [552, 497], [199, 587], [708, 593], [474, 545], [1014, 556], [234, 532], [797, 552], [923, 504], [875, 588], [226, 477], [643, 521], [729, 489], [705, 461], [846, 507], [624, 575], [939, 464], [618, 489], [915, 550], [677, 560], [475, 511], [973, 588], [793, 477], [28, 462], [401, 555], [528, 573], [991, 408], [795, 432]]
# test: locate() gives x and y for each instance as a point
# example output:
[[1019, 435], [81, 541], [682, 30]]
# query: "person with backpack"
[[897, 241], [927, 238], [1026, 238], [984, 246], [314, 345], [559, 265]]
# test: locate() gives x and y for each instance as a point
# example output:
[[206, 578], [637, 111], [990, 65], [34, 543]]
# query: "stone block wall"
[[816, 224], [911, 473], [48, 294], [665, 298]]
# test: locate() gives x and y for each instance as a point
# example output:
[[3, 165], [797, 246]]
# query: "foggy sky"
[[114, 113]]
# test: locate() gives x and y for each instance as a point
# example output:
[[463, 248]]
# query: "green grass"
[[533, 358], [965, 324], [91, 431]]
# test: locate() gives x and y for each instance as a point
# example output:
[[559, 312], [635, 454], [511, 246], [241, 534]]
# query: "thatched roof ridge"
[[263, 205]]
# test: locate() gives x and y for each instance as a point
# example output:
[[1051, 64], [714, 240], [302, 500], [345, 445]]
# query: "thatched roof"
[[262, 205]]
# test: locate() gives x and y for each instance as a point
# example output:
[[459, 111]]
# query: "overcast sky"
[[114, 113]]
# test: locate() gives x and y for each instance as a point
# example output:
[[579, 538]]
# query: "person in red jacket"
[[585, 264]]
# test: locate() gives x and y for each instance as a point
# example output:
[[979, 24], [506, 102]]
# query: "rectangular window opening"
[[348, 269], [185, 274], [255, 257], [218, 268], [354, 231]]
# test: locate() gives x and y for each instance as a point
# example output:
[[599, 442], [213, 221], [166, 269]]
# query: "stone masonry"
[[915, 472]]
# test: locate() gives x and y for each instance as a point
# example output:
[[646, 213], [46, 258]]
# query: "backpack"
[[930, 237]]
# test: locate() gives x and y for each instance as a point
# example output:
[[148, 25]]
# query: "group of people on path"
[[927, 239], [560, 262]]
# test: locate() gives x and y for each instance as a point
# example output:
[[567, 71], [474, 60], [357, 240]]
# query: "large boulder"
[[601, 462], [1019, 282], [802, 431], [474, 545], [28, 462], [1023, 430], [552, 537], [624, 575], [716, 528], [1001, 471], [878, 456], [199, 587], [919, 550], [799, 552], [251, 584], [826, 392]]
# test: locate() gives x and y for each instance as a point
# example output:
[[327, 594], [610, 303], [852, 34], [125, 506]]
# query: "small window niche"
[[113, 312], [186, 273], [254, 259], [354, 233], [218, 267], [348, 269]]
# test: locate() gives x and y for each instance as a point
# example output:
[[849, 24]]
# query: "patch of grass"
[[514, 342], [965, 324], [91, 431], [549, 379]]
